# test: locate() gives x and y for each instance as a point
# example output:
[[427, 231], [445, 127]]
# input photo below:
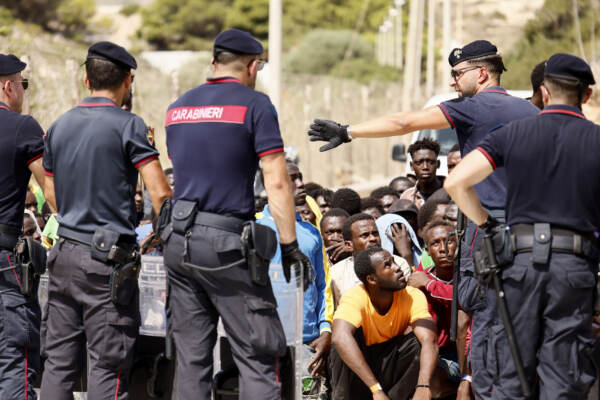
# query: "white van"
[[445, 137]]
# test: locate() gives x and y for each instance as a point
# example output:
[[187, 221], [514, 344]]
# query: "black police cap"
[[238, 42], [113, 53], [567, 66], [10, 64], [476, 49]]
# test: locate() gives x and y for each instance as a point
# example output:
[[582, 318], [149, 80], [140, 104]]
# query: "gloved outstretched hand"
[[291, 256], [328, 131]]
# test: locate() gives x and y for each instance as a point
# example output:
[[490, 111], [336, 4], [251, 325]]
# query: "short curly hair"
[[424, 144]]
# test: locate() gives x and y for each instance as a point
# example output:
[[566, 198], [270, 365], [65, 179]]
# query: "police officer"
[[216, 134], [92, 156], [554, 217], [21, 148], [482, 105]]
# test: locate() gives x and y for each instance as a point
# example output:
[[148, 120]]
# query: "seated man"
[[436, 283], [360, 233], [331, 232], [386, 196], [372, 356], [424, 161]]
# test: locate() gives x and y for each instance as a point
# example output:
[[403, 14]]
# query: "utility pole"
[[430, 76], [411, 55], [275, 33], [420, 25], [446, 39]]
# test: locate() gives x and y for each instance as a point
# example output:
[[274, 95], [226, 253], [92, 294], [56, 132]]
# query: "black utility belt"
[[525, 236], [9, 235]]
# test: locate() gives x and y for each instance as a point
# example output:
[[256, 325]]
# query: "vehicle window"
[[445, 137]]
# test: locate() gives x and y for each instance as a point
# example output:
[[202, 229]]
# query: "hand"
[[291, 256], [380, 395], [491, 226], [422, 394], [328, 131], [418, 279], [337, 250], [464, 391], [401, 238], [321, 345]]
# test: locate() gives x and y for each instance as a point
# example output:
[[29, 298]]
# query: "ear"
[[372, 279], [349, 244], [484, 76], [545, 94], [587, 96], [86, 81], [213, 66]]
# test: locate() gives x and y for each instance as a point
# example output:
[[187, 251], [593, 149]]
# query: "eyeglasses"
[[457, 73], [259, 64], [132, 77], [24, 83]]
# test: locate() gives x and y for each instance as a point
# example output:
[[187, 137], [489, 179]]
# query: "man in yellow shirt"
[[371, 349]]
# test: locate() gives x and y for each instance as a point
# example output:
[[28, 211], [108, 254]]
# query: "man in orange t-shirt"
[[371, 349]]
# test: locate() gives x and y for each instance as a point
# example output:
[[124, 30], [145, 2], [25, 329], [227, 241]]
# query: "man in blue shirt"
[[316, 333], [482, 106]]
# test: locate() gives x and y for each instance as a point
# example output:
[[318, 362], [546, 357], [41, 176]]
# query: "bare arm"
[[279, 193], [459, 184], [424, 329], [156, 183], [401, 123], [347, 348], [45, 182]]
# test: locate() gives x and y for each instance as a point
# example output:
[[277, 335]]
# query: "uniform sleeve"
[[460, 113], [493, 147], [30, 140], [48, 159], [265, 125], [351, 307], [419, 308], [137, 142]]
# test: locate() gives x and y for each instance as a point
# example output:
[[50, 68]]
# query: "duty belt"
[[563, 241], [226, 223], [9, 235]]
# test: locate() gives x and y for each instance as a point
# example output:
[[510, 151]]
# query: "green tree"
[[183, 24], [73, 15], [40, 12], [251, 16]]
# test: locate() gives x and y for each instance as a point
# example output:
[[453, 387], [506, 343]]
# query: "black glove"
[[328, 131], [491, 226], [291, 256]]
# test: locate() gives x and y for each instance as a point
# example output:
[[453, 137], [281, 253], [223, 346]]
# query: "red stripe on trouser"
[[118, 381], [473, 242], [277, 375]]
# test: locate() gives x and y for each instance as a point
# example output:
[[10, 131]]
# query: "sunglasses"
[[24, 83], [260, 64], [457, 73]]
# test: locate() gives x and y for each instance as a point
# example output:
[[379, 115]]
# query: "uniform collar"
[[97, 102], [494, 89], [563, 109], [4, 107], [223, 79]]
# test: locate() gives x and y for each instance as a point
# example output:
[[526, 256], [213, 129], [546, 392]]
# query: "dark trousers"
[[195, 300], [19, 335], [394, 363], [80, 312], [480, 304], [551, 310]]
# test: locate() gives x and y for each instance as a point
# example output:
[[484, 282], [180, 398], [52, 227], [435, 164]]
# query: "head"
[[537, 78], [406, 209], [306, 213], [360, 232], [139, 199], [237, 53], [170, 178], [453, 158], [108, 69], [376, 269], [386, 197], [346, 199], [400, 184], [424, 159], [440, 240], [371, 206], [475, 67], [311, 187], [30, 228], [12, 81], [432, 209], [323, 197], [297, 183], [567, 80], [332, 224], [31, 202]]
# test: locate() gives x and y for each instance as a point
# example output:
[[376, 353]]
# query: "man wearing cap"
[[21, 148], [549, 280], [92, 156], [216, 135], [482, 105]]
